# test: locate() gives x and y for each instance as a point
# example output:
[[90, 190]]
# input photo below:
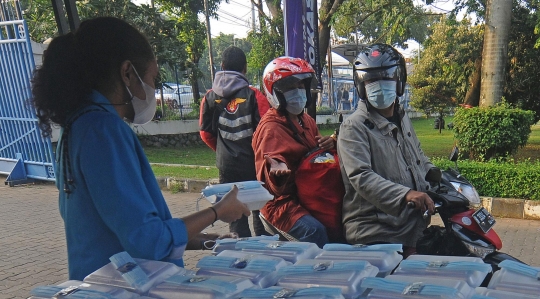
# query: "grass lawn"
[[198, 173], [433, 143], [194, 155]]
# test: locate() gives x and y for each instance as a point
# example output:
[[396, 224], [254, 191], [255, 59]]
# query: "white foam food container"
[[261, 270], [280, 292], [516, 277], [244, 254], [200, 287], [156, 271], [416, 287], [497, 294], [289, 251], [80, 288], [386, 261], [230, 243], [472, 270], [251, 193], [346, 275]]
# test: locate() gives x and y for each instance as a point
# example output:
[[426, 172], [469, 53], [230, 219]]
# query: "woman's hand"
[[229, 208], [325, 142], [277, 168]]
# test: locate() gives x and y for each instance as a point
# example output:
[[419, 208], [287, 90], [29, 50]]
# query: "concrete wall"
[[38, 50], [176, 127]]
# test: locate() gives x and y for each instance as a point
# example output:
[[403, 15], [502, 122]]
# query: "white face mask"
[[381, 94], [296, 100], [144, 109]]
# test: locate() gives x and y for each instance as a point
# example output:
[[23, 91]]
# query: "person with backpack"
[[382, 164], [284, 136], [229, 114]]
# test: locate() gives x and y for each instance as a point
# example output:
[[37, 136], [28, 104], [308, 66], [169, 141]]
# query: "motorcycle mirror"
[[434, 174], [454, 154]]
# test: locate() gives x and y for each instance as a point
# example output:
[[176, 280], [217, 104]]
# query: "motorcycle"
[[466, 231]]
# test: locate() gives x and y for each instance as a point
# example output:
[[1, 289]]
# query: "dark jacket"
[[230, 112], [380, 163]]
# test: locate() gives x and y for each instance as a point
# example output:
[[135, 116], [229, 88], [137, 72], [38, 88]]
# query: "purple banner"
[[302, 33]]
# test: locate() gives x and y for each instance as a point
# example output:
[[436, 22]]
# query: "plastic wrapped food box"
[[251, 193], [200, 287], [261, 270], [230, 243], [386, 257], [280, 292], [497, 294], [346, 275], [412, 287], [79, 289], [473, 270], [289, 251], [156, 272], [516, 277]]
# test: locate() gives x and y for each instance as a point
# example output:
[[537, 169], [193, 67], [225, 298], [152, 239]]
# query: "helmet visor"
[[370, 75], [291, 82]]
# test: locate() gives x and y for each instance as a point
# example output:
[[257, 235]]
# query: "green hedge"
[[324, 110], [492, 132], [500, 179]]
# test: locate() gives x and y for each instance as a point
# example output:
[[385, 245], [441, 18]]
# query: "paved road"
[[33, 251]]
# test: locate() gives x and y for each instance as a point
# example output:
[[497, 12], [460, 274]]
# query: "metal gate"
[[24, 154]]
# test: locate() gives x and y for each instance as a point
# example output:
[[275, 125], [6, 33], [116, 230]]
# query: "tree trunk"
[[274, 7], [472, 97], [495, 51], [327, 9], [324, 40]]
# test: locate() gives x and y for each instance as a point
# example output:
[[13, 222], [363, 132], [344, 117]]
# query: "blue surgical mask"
[[296, 100], [381, 94]]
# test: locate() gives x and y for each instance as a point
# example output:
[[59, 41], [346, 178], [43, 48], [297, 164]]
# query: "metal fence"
[[24, 154]]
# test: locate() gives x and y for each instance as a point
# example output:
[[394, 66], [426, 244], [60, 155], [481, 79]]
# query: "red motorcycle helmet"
[[282, 73]]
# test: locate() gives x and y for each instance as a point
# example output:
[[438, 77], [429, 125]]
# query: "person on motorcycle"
[[382, 164], [284, 135]]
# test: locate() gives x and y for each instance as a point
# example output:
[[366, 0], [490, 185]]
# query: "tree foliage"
[[172, 27], [161, 32], [522, 67], [219, 44], [387, 21], [523, 64], [40, 19], [441, 79]]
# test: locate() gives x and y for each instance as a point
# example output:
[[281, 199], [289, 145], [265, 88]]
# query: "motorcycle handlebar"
[[412, 205]]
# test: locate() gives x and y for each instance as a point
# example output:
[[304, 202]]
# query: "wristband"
[[215, 214]]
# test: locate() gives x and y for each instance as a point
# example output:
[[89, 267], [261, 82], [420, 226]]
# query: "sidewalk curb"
[[512, 207], [184, 185]]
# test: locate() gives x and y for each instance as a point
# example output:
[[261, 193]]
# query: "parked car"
[[177, 96]]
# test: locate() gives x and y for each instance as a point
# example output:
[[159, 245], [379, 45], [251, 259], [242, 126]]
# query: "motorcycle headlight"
[[477, 250], [468, 191]]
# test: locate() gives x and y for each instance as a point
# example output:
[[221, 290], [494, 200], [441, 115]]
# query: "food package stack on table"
[[385, 257]]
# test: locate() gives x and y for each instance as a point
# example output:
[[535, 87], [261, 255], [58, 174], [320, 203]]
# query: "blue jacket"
[[116, 204]]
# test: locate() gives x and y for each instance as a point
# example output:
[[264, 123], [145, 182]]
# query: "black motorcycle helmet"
[[379, 61]]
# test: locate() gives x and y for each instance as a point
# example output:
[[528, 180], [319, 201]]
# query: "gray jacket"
[[379, 164]]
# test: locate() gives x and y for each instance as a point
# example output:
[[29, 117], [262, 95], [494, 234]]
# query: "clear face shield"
[[291, 82], [371, 75]]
